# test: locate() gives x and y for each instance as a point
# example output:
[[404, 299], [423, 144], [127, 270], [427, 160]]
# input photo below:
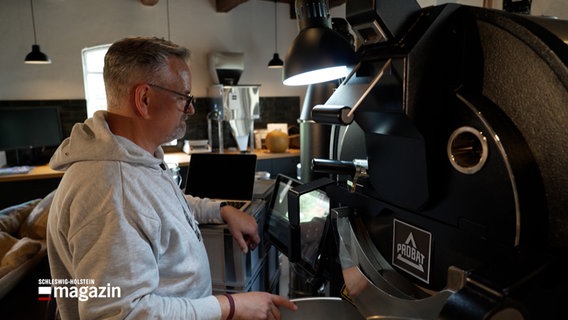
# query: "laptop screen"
[[221, 176], [297, 236]]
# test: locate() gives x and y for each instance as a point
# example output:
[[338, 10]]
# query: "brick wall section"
[[272, 109]]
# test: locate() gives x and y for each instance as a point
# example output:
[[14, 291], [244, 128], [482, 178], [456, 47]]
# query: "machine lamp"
[[318, 53]]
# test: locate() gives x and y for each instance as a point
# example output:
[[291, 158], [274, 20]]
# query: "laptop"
[[222, 177]]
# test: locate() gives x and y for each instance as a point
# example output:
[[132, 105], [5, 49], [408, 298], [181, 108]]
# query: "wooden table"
[[183, 159], [41, 180]]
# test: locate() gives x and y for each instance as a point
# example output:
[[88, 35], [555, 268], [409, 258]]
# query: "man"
[[118, 220]]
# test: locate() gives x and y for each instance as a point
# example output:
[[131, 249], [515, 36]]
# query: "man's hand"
[[355, 281], [242, 226]]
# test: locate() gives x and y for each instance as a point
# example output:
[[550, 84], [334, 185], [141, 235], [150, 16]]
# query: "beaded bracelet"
[[231, 306]]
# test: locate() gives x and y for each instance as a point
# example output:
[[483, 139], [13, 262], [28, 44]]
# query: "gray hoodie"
[[119, 221]]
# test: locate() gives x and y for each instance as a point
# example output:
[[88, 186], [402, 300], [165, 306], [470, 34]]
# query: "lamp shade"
[[276, 62], [318, 54], [36, 56]]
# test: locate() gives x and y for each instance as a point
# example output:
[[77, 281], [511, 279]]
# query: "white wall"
[[64, 27]]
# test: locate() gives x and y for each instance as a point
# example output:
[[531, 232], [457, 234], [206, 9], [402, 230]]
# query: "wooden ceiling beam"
[[228, 5]]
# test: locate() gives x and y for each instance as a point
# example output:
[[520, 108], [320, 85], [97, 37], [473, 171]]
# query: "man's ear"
[[142, 100]]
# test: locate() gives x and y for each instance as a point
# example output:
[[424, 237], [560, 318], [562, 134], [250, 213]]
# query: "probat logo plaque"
[[411, 250]]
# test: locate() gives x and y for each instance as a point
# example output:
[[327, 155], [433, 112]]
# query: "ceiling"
[[228, 5]]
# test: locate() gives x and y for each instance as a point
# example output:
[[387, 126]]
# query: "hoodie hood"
[[92, 140]]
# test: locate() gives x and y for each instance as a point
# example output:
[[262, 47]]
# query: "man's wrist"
[[231, 306], [223, 210]]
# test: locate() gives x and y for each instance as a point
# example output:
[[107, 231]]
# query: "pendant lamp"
[[36, 56], [318, 53], [276, 62], [168, 18]]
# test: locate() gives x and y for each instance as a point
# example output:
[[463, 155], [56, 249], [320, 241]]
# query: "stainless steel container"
[[321, 308], [231, 270]]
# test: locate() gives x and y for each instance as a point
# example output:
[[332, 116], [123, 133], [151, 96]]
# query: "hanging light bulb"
[[276, 62], [36, 56]]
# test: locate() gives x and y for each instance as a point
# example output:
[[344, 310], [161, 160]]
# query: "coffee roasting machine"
[[450, 160]]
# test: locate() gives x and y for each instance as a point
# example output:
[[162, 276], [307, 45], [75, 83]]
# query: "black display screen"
[[29, 127], [297, 236]]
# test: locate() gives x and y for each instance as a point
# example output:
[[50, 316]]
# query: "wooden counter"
[[17, 188], [273, 163], [183, 159], [37, 173], [44, 172]]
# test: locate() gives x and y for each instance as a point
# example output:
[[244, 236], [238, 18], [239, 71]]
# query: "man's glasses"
[[189, 99]]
